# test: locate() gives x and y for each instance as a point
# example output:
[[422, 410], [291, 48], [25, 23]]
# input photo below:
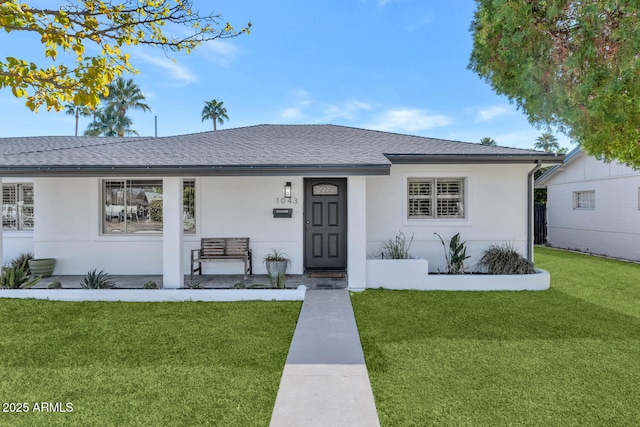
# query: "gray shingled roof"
[[258, 148]]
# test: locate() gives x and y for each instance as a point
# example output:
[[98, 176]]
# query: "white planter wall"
[[397, 273]]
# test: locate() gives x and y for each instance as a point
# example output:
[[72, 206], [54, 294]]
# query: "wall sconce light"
[[287, 190]]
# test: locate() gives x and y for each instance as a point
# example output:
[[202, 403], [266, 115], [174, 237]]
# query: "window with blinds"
[[17, 206], [432, 198], [584, 199]]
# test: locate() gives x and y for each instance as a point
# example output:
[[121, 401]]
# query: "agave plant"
[[94, 280], [17, 277], [22, 259]]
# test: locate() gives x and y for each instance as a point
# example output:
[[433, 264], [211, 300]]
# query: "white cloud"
[[292, 113], [221, 52], [181, 74], [301, 103], [409, 120], [490, 113], [347, 110]]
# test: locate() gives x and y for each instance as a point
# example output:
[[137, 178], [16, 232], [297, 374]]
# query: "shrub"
[[150, 285], [155, 210], [396, 248], [17, 277], [54, 284], [505, 259], [456, 255], [239, 285], [94, 280], [22, 259]]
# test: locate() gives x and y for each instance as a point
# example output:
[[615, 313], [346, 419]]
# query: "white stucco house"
[[593, 206], [326, 195]]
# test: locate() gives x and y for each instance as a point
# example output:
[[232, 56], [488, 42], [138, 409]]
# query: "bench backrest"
[[224, 246]]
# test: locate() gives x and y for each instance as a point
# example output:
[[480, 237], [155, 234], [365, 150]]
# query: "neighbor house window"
[[435, 198], [17, 206], [584, 200], [135, 206]]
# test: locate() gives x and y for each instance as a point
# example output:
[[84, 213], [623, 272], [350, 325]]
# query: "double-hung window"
[[584, 199], [134, 206], [431, 198], [17, 206]]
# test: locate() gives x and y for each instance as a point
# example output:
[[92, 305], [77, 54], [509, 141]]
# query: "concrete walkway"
[[325, 380]]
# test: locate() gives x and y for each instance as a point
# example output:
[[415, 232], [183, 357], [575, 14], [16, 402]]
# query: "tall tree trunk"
[[77, 117], [215, 128]]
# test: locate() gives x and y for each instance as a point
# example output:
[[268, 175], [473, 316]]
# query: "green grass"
[[147, 364], [567, 356]]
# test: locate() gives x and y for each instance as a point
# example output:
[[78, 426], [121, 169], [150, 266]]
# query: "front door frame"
[[342, 184]]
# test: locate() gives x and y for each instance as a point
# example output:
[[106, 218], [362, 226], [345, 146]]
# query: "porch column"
[[357, 232], [172, 237]]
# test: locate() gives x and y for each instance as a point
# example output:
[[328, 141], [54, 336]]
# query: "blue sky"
[[391, 65]]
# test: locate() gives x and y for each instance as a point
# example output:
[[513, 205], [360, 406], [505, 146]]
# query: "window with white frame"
[[584, 199], [17, 206], [134, 206], [431, 198]]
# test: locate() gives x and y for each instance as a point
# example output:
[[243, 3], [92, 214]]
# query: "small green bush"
[[155, 210], [194, 285], [150, 285], [505, 259], [54, 284], [240, 284], [94, 280], [396, 248]]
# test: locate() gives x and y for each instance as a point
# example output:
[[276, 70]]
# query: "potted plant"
[[42, 267], [276, 262]]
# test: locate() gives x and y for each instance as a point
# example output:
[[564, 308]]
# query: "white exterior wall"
[[68, 226], [613, 227], [68, 220], [495, 204]]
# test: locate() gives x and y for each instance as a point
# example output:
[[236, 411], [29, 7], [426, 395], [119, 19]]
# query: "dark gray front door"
[[325, 223]]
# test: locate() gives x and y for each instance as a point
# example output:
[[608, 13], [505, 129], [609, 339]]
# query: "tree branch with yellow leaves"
[[109, 26]]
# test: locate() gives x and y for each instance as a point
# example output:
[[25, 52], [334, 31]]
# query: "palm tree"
[[108, 122], [487, 141], [215, 111], [77, 110], [124, 94], [547, 142]]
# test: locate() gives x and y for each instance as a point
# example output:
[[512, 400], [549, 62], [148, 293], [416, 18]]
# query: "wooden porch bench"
[[222, 249]]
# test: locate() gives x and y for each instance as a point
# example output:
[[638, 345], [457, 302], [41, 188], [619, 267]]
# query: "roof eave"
[[474, 158], [38, 171]]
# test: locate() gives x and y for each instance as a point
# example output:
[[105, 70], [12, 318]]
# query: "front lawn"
[[566, 356], [147, 364]]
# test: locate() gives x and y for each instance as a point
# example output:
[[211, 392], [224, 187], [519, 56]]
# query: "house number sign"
[[286, 200]]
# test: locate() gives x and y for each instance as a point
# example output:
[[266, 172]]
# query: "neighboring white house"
[[137, 205], [593, 206]]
